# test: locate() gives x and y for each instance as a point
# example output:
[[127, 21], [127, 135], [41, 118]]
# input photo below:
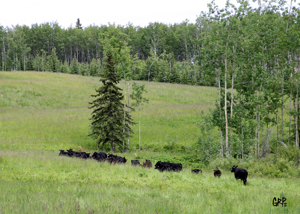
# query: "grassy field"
[[41, 113], [46, 111], [43, 182]]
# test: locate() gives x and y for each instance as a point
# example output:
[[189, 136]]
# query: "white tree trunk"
[[3, 51], [277, 126], [297, 104], [225, 109], [128, 96], [290, 116], [282, 106], [221, 132], [124, 113], [139, 130], [231, 110]]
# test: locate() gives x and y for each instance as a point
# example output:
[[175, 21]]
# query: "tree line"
[[250, 54]]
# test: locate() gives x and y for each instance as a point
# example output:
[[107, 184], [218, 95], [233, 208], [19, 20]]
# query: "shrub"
[[290, 154], [225, 163]]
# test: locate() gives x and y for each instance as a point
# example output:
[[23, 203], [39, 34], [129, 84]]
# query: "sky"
[[101, 12]]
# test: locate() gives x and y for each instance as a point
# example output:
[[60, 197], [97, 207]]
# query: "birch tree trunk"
[[255, 143], [290, 115], [242, 140], [258, 125], [221, 132], [225, 109], [282, 91], [297, 104], [139, 130], [24, 62], [231, 111], [277, 126], [3, 51], [128, 96], [124, 114]]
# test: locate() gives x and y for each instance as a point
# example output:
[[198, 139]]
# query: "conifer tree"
[[53, 60], [74, 65], [65, 67], [78, 24], [93, 67], [108, 111]]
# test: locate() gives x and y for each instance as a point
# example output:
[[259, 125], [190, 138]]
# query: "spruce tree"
[[74, 66], [78, 24], [93, 67], [108, 110], [53, 61]]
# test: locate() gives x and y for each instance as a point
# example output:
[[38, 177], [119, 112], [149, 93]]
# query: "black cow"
[[135, 163], [63, 153], [162, 166], [121, 160], [115, 159], [217, 173], [101, 156], [196, 171], [240, 173], [85, 155], [71, 153], [147, 164], [176, 166]]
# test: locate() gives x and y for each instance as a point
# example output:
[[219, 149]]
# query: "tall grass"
[[43, 182]]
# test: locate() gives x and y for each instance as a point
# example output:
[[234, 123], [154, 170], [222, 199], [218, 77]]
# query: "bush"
[[290, 154], [225, 163]]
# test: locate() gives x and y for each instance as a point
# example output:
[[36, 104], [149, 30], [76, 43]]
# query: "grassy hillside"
[[41, 113], [48, 111]]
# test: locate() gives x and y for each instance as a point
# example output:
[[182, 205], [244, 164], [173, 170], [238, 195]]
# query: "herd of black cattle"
[[239, 173]]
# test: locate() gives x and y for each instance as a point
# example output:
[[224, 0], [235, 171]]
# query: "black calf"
[[196, 171], [135, 163], [147, 164], [240, 173], [217, 173]]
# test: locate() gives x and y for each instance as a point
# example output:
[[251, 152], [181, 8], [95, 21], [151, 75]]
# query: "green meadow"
[[47, 111], [43, 112]]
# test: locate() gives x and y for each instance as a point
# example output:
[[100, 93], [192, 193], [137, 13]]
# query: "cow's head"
[[233, 168], [157, 165]]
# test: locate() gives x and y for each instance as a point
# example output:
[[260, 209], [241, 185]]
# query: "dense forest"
[[252, 55]]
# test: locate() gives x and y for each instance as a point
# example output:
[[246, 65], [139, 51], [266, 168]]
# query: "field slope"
[[48, 111], [41, 113]]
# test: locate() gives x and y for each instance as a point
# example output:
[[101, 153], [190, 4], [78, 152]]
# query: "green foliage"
[[65, 67], [290, 154], [93, 68], [226, 164], [137, 95], [207, 147], [54, 61], [74, 66], [30, 64], [84, 69]]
